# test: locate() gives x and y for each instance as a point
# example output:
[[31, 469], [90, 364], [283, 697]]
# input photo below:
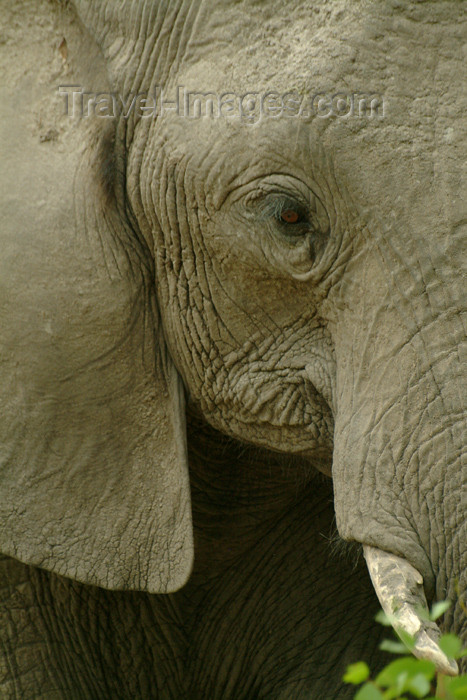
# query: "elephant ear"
[[93, 461]]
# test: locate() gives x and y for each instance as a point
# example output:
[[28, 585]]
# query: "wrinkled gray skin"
[[163, 332]]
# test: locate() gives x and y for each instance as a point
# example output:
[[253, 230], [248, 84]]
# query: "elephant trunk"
[[398, 439]]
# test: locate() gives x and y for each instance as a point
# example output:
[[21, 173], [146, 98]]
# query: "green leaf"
[[389, 676], [369, 692], [406, 639], [392, 694], [419, 685], [384, 619], [457, 687], [439, 609], [356, 673], [393, 647], [423, 612], [401, 682], [451, 645]]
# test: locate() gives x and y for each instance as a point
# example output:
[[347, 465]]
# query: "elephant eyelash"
[[274, 209]]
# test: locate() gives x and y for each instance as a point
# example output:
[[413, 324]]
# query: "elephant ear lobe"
[[97, 490], [93, 461]]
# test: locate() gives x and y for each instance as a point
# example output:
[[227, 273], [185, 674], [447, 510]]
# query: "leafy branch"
[[408, 677]]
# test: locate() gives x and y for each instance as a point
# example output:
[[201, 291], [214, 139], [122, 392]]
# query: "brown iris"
[[290, 216]]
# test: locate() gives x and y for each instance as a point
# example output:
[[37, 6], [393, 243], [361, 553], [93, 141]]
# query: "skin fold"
[[228, 346]]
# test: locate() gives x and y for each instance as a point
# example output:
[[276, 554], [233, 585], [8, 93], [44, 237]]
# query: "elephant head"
[[295, 277]]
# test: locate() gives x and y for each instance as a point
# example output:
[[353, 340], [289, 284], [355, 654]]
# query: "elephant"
[[231, 376]]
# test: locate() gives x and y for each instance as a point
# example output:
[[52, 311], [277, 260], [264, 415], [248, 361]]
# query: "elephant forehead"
[[355, 49], [307, 47], [286, 53]]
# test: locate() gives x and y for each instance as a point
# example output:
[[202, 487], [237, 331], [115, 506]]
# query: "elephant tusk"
[[399, 587]]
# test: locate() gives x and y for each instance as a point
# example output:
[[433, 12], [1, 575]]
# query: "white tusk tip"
[[399, 587]]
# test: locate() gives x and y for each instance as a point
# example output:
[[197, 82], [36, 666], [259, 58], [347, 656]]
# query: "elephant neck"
[[242, 495]]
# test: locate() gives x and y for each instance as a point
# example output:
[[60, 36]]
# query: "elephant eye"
[[287, 221], [290, 216]]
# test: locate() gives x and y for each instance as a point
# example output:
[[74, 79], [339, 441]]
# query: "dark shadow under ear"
[[93, 464]]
